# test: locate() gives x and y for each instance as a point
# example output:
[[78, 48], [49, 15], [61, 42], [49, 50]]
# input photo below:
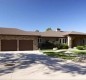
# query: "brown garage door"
[[25, 45], [8, 45]]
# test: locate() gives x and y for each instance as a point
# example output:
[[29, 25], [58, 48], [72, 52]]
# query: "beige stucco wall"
[[13, 37]]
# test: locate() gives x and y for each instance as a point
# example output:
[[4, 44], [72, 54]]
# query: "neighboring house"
[[12, 39]]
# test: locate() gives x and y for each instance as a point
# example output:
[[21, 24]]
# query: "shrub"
[[55, 43], [85, 47], [62, 46], [65, 46], [80, 47], [47, 45], [59, 46]]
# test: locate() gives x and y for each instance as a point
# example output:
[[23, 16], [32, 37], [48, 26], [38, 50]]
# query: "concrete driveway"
[[33, 65]]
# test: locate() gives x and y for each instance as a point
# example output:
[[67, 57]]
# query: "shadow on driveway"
[[24, 60]]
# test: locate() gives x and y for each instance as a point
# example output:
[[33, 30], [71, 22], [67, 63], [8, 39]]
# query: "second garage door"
[[25, 45]]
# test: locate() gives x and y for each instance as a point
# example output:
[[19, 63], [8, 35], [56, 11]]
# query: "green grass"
[[63, 55], [76, 51], [52, 54], [59, 55]]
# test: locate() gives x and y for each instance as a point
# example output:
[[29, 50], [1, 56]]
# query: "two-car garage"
[[14, 45], [12, 39]]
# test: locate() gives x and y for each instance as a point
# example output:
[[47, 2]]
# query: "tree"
[[48, 29], [36, 30], [58, 29]]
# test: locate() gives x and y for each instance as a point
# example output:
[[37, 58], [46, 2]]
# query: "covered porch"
[[76, 40]]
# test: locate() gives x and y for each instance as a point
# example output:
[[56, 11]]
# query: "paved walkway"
[[33, 65]]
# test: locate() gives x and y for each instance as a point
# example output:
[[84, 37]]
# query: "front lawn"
[[72, 54], [62, 55]]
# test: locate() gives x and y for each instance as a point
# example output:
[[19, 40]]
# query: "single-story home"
[[12, 39]]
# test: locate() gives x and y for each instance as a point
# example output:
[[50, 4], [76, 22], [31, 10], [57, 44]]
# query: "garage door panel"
[[8, 45], [25, 45]]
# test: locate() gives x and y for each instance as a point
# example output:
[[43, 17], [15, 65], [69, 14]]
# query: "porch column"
[[70, 41], [17, 45], [0, 44]]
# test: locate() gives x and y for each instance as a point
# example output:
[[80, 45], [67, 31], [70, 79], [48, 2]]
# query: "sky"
[[68, 15]]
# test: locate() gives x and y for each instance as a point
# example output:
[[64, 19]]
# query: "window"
[[65, 40], [83, 41], [60, 40]]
